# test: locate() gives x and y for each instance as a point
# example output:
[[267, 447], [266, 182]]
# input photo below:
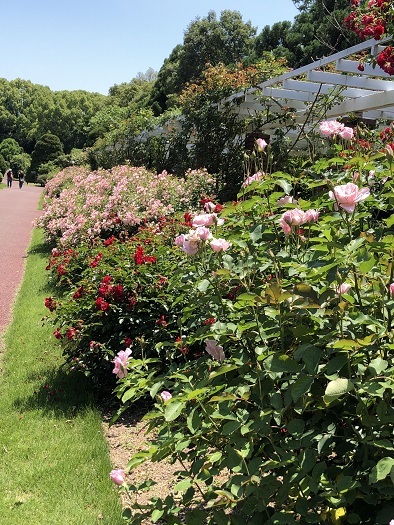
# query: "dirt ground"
[[127, 437]]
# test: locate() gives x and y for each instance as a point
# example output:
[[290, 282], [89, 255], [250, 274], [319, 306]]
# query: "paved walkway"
[[18, 209]]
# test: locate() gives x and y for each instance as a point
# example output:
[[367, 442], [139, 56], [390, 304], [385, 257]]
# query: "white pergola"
[[369, 94]]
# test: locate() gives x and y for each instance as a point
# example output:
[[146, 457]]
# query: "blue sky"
[[92, 44]]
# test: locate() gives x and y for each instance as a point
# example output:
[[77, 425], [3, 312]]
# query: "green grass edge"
[[55, 461]]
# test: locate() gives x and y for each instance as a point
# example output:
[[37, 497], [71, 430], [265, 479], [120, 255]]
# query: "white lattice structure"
[[369, 94]]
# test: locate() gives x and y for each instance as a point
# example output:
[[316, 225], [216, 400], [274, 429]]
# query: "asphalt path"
[[18, 211]]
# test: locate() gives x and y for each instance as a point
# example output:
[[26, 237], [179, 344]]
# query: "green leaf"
[[311, 356], [381, 470], [222, 370], [378, 365], [389, 221], [203, 285], [230, 427], [138, 459], [157, 514], [301, 387], [367, 265], [286, 186], [193, 421], [337, 388], [281, 363], [183, 485], [250, 298], [296, 427], [173, 409], [256, 234], [346, 344]]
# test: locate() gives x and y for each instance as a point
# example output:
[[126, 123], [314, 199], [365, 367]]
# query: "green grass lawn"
[[54, 461]]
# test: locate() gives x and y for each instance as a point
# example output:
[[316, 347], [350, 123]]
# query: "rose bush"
[[286, 416], [80, 206], [263, 332]]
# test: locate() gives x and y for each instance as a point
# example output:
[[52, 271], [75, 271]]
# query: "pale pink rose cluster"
[[79, 205], [207, 219], [333, 128], [121, 363], [391, 289], [348, 195], [253, 178], [292, 219], [192, 242]]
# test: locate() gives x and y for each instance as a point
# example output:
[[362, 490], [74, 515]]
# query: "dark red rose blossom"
[[117, 292], [61, 270], [139, 255], [57, 334], [109, 241], [101, 304], [71, 333], [162, 321], [141, 258], [79, 293], [188, 218], [50, 303], [96, 260]]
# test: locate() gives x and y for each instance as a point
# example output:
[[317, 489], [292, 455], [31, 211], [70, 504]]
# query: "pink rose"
[[285, 226], [391, 288], [330, 128], [348, 195], [311, 216], [261, 144], [205, 219], [389, 152], [165, 395], [343, 288], [203, 233], [346, 133], [214, 350], [287, 199], [209, 206], [191, 247], [117, 476], [121, 363], [179, 240], [252, 178], [294, 217], [220, 245]]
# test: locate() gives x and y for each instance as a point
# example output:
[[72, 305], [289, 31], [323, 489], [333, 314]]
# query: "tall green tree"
[[48, 149], [210, 40], [134, 94], [9, 148], [316, 32], [167, 82]]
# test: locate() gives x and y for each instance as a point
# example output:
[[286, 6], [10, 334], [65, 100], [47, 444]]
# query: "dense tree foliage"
[[48, 149], [317, 31], [27, 111], [107, 127]]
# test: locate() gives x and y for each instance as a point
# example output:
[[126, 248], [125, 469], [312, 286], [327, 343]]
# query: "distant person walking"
[[9, 177], [21, 177]]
